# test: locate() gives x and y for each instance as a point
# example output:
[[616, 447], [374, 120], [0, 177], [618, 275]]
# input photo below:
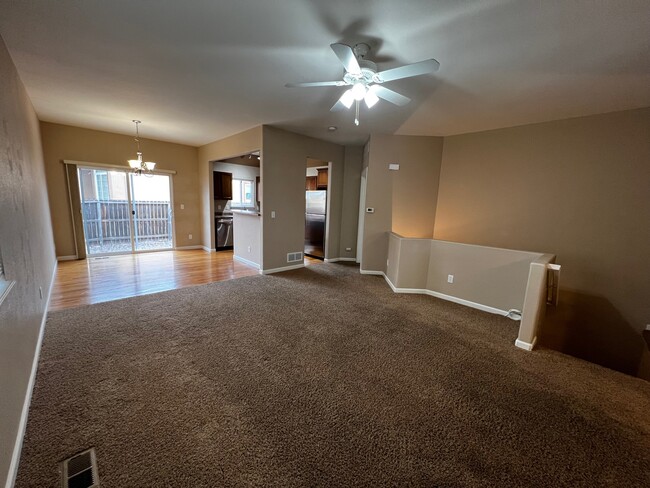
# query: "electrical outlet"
[[182, 206], [190, 237], [249, 249], [370, 210], [348, 249], [272, 214], [450, 278]]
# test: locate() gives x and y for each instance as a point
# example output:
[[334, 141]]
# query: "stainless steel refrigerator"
[[315, 217]]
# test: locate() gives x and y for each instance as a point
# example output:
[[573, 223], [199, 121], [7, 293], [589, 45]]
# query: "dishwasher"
[[223, 226]]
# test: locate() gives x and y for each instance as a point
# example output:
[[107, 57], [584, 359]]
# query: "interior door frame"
[[128, 173], [362, 213]]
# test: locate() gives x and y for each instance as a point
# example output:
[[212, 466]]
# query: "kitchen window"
[[242, 193]]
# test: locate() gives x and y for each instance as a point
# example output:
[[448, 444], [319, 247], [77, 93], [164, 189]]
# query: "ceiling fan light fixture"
[[359, 91], [347, 98], [371, 99]]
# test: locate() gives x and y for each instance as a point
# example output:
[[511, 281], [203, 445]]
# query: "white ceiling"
[[199, 70]]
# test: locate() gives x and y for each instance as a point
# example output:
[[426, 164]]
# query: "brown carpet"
[[323, 377]]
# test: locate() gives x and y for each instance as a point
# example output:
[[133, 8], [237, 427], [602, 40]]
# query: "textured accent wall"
[[27, 249]]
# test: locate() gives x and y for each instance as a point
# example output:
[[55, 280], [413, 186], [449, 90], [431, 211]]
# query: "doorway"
[[317, 202], [125, 213]]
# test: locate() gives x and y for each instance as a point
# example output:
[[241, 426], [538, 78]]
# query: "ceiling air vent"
[[80, 471], [294, 257]]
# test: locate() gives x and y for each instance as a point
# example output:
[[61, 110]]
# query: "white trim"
[[526, 345], [335, 260], [370, 272], [18, 445], [279, 270], [467, 303], [206, 248], [67, 258], [449, 298], [245, 261], [127, 169], [187, 248]]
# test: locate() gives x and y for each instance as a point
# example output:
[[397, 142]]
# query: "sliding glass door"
[[123, 212], [152, 212]]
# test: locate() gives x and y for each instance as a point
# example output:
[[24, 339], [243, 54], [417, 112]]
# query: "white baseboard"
[[370, 272], [18, 445], [335, 260], [246, 261], [526, 345], [279, 270], [186, 248], [449, 298], [206, 249], [67, 258], [467, 303]]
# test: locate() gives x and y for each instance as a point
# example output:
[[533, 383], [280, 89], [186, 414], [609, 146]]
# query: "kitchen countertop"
[[247, 212]]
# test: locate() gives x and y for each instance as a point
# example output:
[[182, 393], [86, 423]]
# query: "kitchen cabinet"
[[311, 184], [321, 180], [222, 185]]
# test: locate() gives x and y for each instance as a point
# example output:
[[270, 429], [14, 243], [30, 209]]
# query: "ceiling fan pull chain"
[[356, 116]]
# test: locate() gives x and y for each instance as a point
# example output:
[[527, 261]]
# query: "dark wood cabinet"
[[311, 183], [222, 185], [321, 179]]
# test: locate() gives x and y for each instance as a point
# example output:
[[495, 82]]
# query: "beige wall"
[[247, 240], [577, 188], [350, 201], [27, 250], [283, 175], [236, 145], [64, 142], [404, 200]]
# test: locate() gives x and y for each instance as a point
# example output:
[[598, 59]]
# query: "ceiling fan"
[[365, 81]]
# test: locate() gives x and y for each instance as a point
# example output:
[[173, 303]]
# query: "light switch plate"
[[370, 210], [393, 166]]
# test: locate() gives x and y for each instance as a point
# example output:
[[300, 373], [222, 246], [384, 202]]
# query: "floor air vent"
[[294, 257], [80, 471]]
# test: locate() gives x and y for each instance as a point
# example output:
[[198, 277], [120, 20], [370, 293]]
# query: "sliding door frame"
[[109, 167]]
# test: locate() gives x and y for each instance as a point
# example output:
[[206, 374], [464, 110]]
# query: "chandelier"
[[139, 166]]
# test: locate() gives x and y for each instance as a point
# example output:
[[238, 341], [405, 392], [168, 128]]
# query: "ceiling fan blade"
[[315, 83], [415, 69], [347, 57], [390, 95]]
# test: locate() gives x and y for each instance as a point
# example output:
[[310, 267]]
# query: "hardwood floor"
[[103, 279]]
